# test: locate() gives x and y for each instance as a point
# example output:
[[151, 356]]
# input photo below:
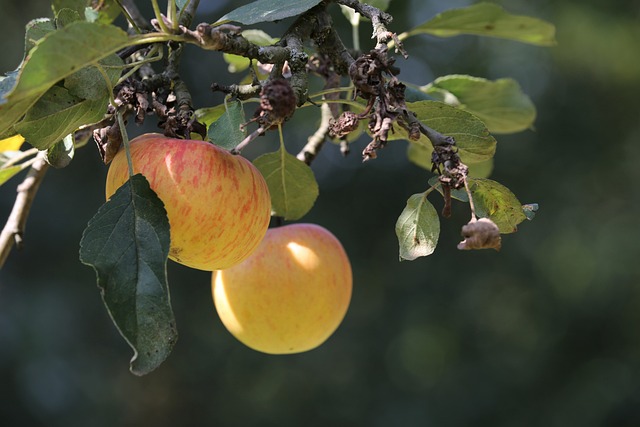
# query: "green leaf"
[[75, 5], [57, 114], [89, 82], [236, 63], [417, 228], [61, 53], [420, 155], [291, 183], [12, 112], [7, 173], [66, 16], [481, 169], [127, 243], [495, 201], [106, 14], [225, 132], [488, 19], [267, 11], [500, 104], [55, 57], [62, 110], [473, 139], [35, 30], [60, 154]]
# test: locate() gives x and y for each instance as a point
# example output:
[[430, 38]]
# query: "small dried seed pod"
[[277, 101], [480, 234]]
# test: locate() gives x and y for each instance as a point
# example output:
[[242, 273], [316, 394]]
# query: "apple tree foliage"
[[83, 78]]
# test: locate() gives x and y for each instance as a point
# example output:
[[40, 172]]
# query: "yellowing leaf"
[[13, 143]]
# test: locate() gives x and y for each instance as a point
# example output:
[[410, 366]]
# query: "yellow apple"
[[290, 295], [218, 204]]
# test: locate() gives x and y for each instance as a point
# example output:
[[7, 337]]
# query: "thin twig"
[[15, 226], [188, 12], [20, 157]]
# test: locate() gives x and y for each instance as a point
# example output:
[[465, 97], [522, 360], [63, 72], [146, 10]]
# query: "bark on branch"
[[13, 230]]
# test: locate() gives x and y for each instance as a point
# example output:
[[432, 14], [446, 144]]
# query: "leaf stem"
[[331, 91], [471, 204], [172, 14], [354, 104], [159, 17], [136, 65], [281, 136]]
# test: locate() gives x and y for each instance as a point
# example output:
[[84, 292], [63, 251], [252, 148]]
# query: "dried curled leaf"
[[480, 234]]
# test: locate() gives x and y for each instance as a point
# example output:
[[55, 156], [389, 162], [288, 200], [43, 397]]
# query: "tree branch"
[[132, 11], [15, 226], [379, 22], [315, 141]]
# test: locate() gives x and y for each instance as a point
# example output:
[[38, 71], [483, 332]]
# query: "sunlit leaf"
[[417, 228], [13, 143], [209, 115], [489, 19], [7, 173], [495, 201], [267, 11], [500, 104], [127, 243], [291, 183]]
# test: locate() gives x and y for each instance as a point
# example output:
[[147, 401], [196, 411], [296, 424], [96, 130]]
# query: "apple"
[[290, 294], [218, 204]]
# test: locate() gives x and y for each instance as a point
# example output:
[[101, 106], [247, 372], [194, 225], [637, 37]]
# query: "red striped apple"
[[218, 204], [290, 295]]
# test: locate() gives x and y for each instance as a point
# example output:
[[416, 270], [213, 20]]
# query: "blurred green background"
[[544, 333]]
